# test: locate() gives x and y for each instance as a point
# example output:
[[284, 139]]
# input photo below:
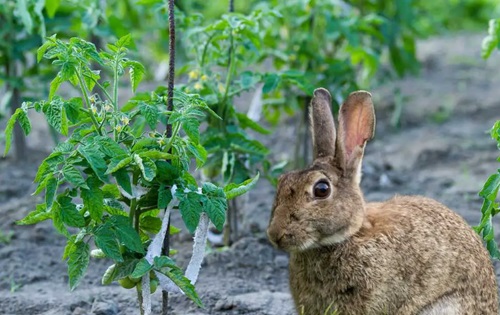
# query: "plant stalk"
[[170, 107]]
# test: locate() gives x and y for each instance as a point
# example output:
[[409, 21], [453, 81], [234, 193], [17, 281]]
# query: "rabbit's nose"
[[275, 234]]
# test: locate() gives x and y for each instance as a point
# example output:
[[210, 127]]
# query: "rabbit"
[[408, 255]]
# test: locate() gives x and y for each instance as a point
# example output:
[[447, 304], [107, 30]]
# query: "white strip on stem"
[[146, 294], [200, 241]]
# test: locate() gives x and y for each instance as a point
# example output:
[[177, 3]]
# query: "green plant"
[[123, 173], [6, 237], [489, 192]]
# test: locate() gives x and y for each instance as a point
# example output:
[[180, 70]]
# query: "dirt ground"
[[441, 149]]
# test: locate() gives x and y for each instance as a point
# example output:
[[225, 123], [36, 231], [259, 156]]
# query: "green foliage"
[[114, 166], [489, 192], [490, 206]]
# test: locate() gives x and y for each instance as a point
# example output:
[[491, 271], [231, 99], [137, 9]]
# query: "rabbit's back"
[[412, 256]]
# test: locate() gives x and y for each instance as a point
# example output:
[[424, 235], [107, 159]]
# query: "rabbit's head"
[[323, 204]]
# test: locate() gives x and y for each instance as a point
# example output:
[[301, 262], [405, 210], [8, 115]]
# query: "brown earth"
[[441, 149]]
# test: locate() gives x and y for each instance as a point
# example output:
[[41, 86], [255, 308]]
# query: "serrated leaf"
[[198, 152], [50, 191], [142, 267], [192, 128], [77, 264], [9, 129], [147, 167], [70, 247], [93, 199], [35, 216], [119, 271], [74, 177], [191, 207], [151, 114], [490, 188], [164, 197], [24, 121], [57, 219], [109, 146], [215, 205], [69, 214], [41, 51], [54, 85], [136, 73], [246, 122], [235, 190], [157, 155], [124, 41], [118, 163], [242, 143], [123, 179], [110, 191], [105, 239], [184, 284], [95, 160], [163, 262], [126, 233], [150, 224], [56, 116]]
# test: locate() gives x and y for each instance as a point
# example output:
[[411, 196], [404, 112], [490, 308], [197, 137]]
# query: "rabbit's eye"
[[321, 189]]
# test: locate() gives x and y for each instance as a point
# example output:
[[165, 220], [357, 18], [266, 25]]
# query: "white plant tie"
[[154, 250]]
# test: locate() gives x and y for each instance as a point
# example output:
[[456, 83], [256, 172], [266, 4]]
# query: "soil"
[[440, 149]]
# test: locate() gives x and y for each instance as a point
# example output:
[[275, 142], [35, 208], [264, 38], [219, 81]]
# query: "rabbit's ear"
[[322, 125], [357, 125]]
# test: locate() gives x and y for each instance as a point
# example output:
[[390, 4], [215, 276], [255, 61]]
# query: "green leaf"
[[119, 271], [490, 188], [157, 155], [215, 204], [271, 82], [93, 199], [9, 129], [123, 179], [95, 160], [105, 239], [184, 284], [142, 267], [164, 197], [118, 163], [38, 215], [235, 190], [69, 214], [56, 116], [110, 191], [24, 121], [164, 262], [124, 41], [70, 246], [150, 224], [191, 207], [126, 233], [50, 191], [191, 128], [41, 51], [241, 143], [150, 113], [147, 167], [109, 147], [198, 152], [57, 219], [77, 264], [246, 122], [136, 74], [51, 6], [73, 176], [54, 85]]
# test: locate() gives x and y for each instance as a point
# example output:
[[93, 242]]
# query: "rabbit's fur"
[[408, 255]]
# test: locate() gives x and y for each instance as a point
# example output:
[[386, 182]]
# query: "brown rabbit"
[[408, 255]]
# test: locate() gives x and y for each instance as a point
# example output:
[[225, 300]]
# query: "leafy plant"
[[122, 172], [489, 192]]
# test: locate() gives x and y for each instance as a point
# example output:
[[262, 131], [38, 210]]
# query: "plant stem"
[[170, 107], [86, 97], [231, 5]]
